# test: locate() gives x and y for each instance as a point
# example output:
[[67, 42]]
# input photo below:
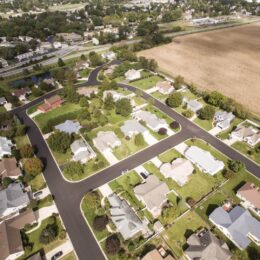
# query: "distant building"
[[204, 245], [110, 70], [153, 193], [133, 127], [50, 103], [22, 93], [109, 55], [193, 105], [70, 37], [3, 62], [10, 236], [204, 160], [13, 199], [69, 127], [105, 141], [165, 87], [87, 91], [116, 95], [3, 101], [125, 219], [151, 120], [179, 170], [223, 119], [250, 197], [238, 225], [9, 168], [95, 41], [81, 65], [82, 151], [5, 146], [132, 74], [25, 56]]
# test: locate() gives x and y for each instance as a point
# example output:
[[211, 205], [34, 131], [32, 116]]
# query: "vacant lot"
[[226, 60]]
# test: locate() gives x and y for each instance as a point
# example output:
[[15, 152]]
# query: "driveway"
[[149, 138], [110, 157], [45, 212]]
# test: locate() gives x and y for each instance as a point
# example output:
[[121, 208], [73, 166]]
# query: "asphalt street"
[[69, 195]]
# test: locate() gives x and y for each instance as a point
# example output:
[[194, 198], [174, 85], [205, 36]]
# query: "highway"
[[69, 195]]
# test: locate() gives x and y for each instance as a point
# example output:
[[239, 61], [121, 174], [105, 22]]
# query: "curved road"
[[69, 195]]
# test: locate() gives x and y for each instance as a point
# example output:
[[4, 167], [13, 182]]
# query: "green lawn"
[[205, 124], [91, 207], [247, 150], [69, 256], [34, 238], [178, 233], [85, 73], [146, 83], [21, 141], [189, 95], [37, 183], [168, 156], [67, 108], [62, 158], [159, 96]]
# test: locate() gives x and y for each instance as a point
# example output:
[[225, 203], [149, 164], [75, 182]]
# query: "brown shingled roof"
[[251, 193]]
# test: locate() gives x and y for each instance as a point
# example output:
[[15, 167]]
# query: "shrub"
[[62, 234], [228, 174], [174, 100], [235, 166], [191, 201], [207, 112], [6, 182], [162, 131], [174, 125], [100, 222], [33, 166], [123, 107], [187, 113], [74, 168], [49, 233], [26, 151], [112, 244]]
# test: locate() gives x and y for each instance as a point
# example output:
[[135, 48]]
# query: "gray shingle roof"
[[238, 222], [131, 127], [69, 127]]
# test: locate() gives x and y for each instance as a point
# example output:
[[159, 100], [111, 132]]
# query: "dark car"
[[57, 255], [37, 194]]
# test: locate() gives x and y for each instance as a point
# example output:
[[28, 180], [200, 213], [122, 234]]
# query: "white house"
[[109, 55], [3, 101], [223, 119], [179, 170], [82, 151], [105, 141], [193, 105], [164, 87], [133, 127], [247, 134], [151, 120], [116, 95], [132, 74], [95, 41], [204, 160], [5, 146]]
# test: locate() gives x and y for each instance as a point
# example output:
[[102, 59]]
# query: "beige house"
[[153, 193], [164, 87]]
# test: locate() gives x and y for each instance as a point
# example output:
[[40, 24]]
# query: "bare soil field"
[[227, 60]]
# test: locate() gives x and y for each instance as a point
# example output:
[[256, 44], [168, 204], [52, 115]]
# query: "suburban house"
[[110, 55], [155, 255], [95, 41], [81, 65], [151, 120], [223, 119], [105, 141], [50, 103], [49, 81], [70, 37], [116, 95], [153, 193], [3, 63], [164, 87], [11, 245], [179, 170], [193, 105], [12, 199], [238, 225], [247, 134], [8, 168], [3, 101], [133, 127], [21, 93], [69, 127], [110, 69], [82, 151], [5, 146], [204, 160], [132, 74], [124, 218], [204, 245], [87, 91], [250, 197]]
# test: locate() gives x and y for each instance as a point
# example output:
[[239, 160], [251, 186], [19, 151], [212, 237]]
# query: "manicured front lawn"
[[43, 119], [35, 235], [69, 256], [205, 124], [37, 183], [21, 141], [168, 156], [189, 95], [247, 150], [146, 83], [176, 236], [91, 207], [159, 96], [62, 158]]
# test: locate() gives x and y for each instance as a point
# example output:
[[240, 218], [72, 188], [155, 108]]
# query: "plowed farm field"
[[227, 60]]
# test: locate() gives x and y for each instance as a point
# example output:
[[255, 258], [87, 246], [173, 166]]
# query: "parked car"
[[57, 255], [144, 174], [37, 194]]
